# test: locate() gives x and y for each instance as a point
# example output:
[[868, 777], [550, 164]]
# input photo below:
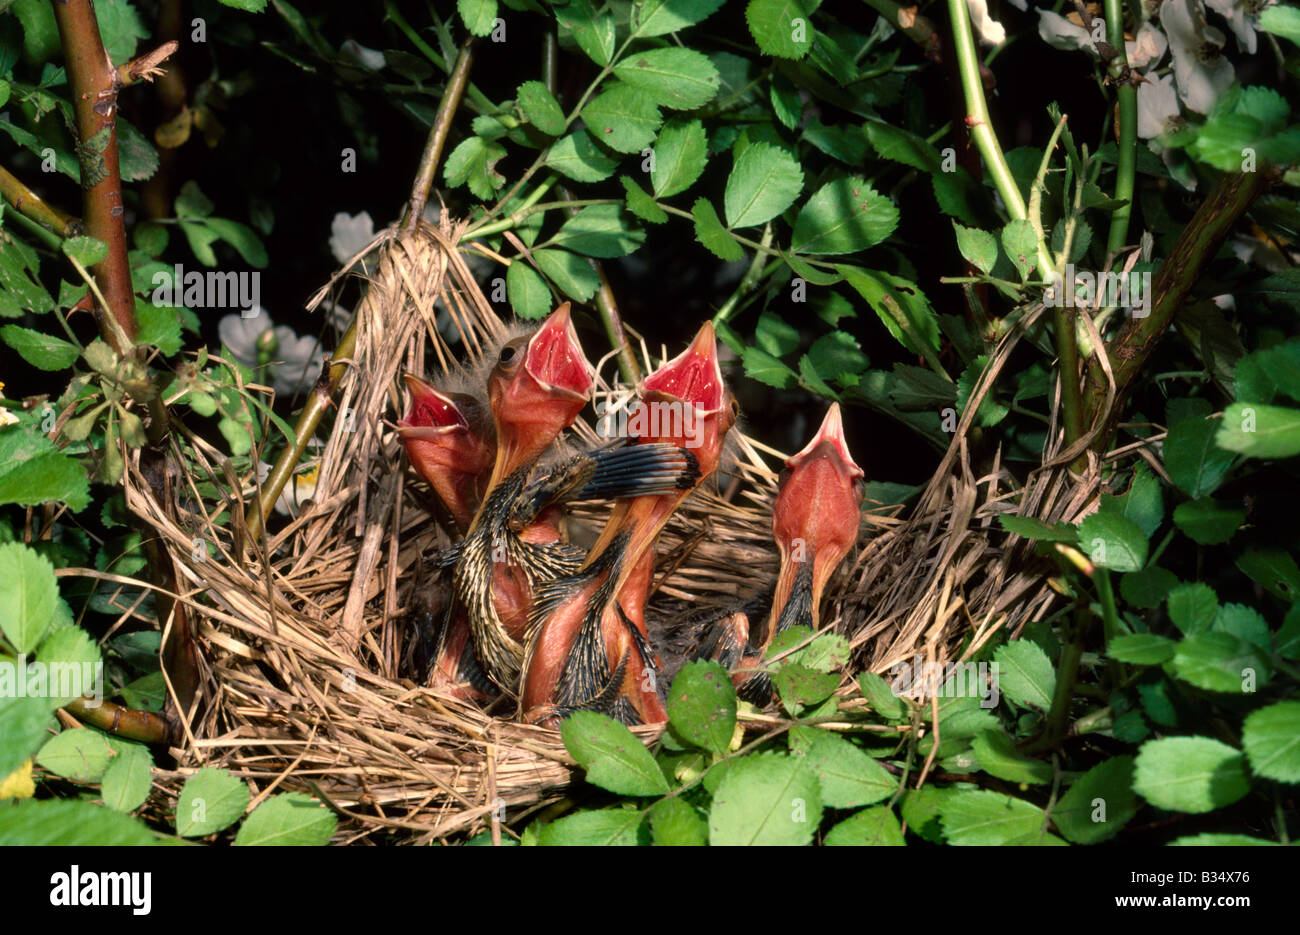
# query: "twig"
[[437, 139], [133, 724], [31, 205]]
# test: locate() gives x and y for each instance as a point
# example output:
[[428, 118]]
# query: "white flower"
[[1143, 51], [1157, 104], [300, 488], [293, 363], [366, 58], [1200, 69], [349, 234], [1240, 16], [986, 27], [1147, 49]]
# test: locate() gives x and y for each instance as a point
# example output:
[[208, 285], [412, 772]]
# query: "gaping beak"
[[816, 513], [537, 390], [449, 443]]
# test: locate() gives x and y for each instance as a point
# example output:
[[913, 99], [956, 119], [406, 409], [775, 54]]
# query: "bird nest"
[[304, 634]]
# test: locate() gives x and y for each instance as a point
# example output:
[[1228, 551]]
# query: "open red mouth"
[[555, 359], [431, 412], [693, 376]]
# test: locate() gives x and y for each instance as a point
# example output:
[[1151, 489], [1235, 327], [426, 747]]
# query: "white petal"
[[349, 233], [296, 362], [240, 334], [1199, 84], [988, 29], [1147, 49], [367, 58], [1020, 5], [1157, 102], [1060, 33]]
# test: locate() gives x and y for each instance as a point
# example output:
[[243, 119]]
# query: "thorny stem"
[[478, 101], [747, 282], [133, 724], [915, 26]]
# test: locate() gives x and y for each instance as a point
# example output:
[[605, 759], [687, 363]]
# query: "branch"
[[145, 726], [32, 206], [1197, 245], [437, 140]]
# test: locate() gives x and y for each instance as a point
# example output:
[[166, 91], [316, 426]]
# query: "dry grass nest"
[[302, 637]]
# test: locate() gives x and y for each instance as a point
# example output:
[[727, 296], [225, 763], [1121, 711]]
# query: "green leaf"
[[1220, 662], [605, 828], [901, 306], [1147, 587], [19, 294], [1192, 607], [979, 247], [71, 658], [1025, 674], [872, 826], [702, 706], [85, 250], [1208, 521], [580, 159], [1281, 21], [1245, 622], [243, 238], [640, 203], [1195, 464], [1032, 528], [763, 367], [903, 146], [49, 822], [764, 181], [293, 818], [473, 163], [1271, 738], [710, 232], [1220, 840], [80, 754], [160, 326], [983, 817], [998, 757], [681, 79], [766, 799], [1274, 570], [572, 273], [660, 17], [776, 336], [990, 412], [477, 15], [248, 6], [129, 778], [1260, 431], [799, 684], [623, 118], [28, 594], [780, 27], [1113, 541], [48, 476], [612, 755], [147, 692], [676, 823], [600, 231], [680, 153], [884, 701], [23, 728], [540, 107], [1143, 649], [528, 295], [1189, 774], [837, 354], [848, 144], [1143, 502], [42, 351], [1021, 246], [844, 216], [594, 32], [210, 801], [1099, 804], [849, 778]]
